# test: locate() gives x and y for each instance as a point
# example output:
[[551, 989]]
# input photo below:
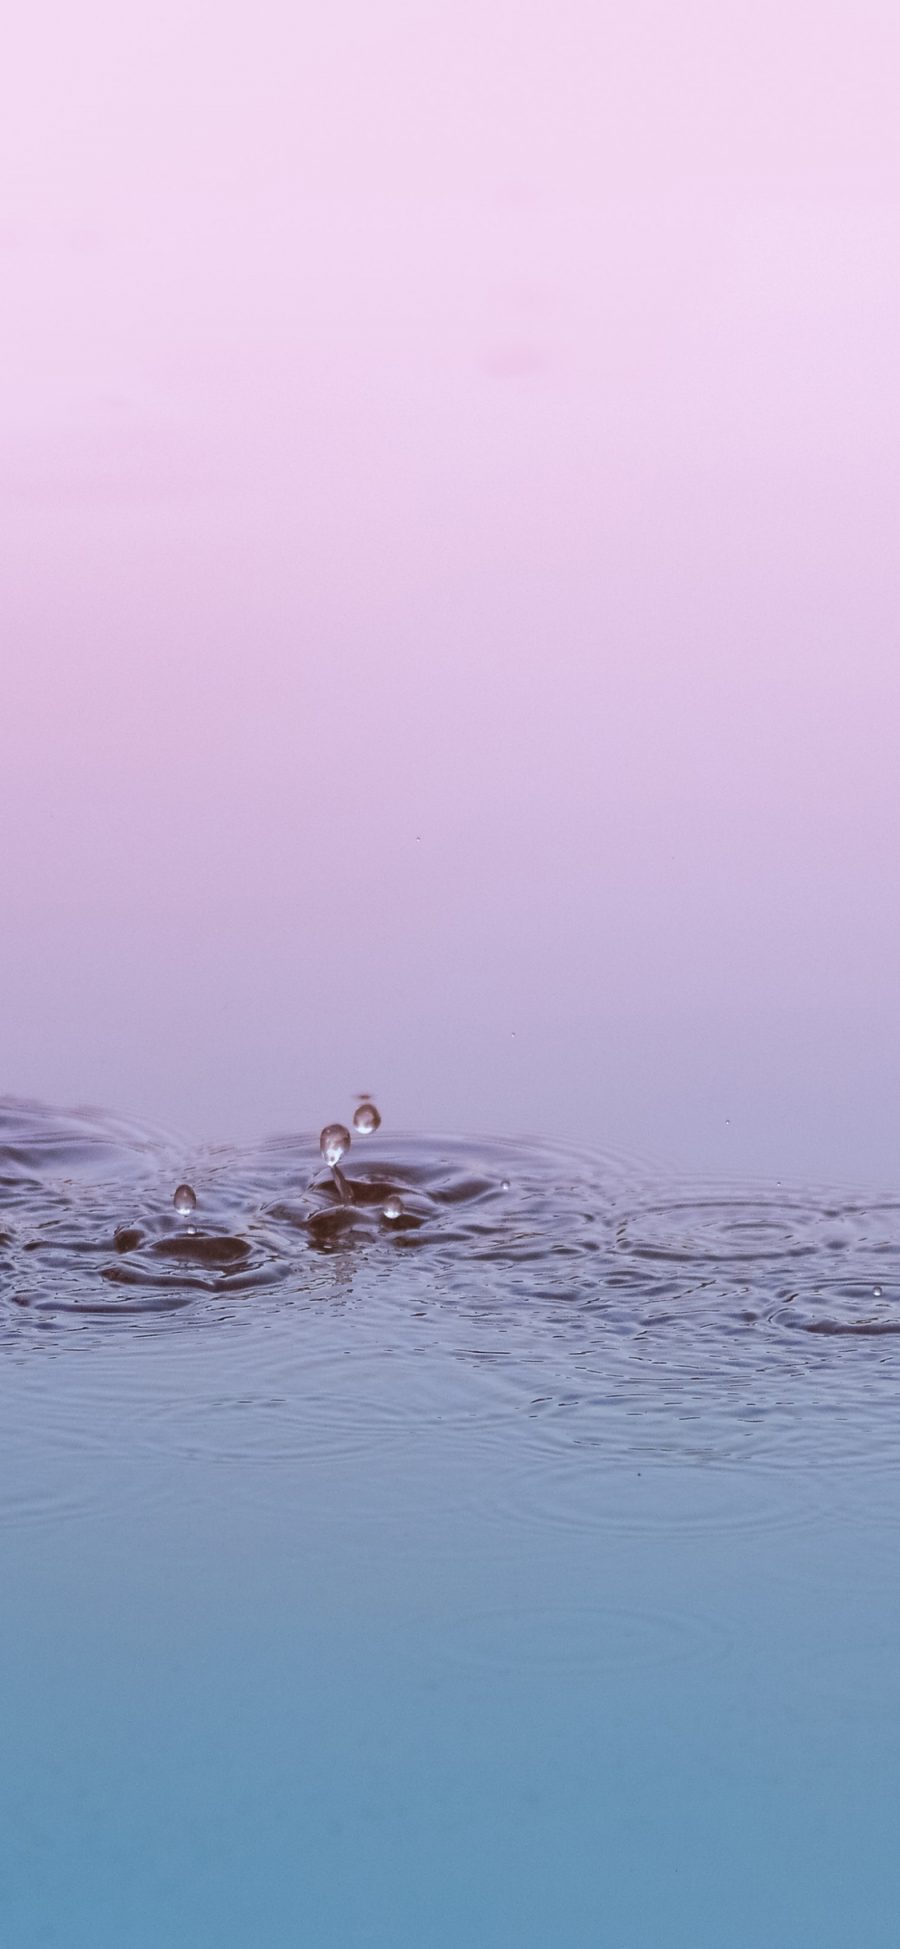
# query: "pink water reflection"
[[449, 579]]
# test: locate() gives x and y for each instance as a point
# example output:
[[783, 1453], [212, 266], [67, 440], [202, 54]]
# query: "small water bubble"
[[185, 1200], [877, 1291], [366, 1119], [392, 1209], [504, 1184], [334, 1143]]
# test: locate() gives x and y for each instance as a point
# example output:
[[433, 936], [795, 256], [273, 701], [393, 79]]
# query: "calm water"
[[519, 1569]]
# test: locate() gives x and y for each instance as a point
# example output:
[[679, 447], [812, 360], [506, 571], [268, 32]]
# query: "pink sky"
[[449, 484]]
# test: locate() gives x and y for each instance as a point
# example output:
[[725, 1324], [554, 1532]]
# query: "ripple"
[[67, 1452], [332, 1405], [37, 1143], [592, 1493], [842, 1306], [727, 1230], [50, 1501], [874, 1226], [600, 1640]]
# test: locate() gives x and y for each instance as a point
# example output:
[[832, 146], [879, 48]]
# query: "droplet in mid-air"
[[334, 1143], [392, 1209], [185, 1200], [366, 1119], [504, 1184]]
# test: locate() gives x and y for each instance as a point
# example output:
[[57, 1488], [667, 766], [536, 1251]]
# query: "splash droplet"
[[366, 1119], [185, 1200], [392, 1209], [334, 1142], [504, 1184]]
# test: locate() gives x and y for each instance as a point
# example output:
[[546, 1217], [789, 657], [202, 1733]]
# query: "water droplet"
[[334, 1142], [185, 1200], [877, 1291], [504, 1184], [366, 1119], [392, 1209]]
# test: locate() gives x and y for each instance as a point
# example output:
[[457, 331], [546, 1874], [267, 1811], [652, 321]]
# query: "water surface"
[[520, 1569]]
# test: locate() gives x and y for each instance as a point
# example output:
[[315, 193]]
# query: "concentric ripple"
[[597, 1640], [725, 1230]]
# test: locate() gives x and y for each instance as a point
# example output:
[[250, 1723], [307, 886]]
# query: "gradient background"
[[450, 569]]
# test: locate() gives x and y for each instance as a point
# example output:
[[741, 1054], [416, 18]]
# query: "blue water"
[[525, 1574]]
